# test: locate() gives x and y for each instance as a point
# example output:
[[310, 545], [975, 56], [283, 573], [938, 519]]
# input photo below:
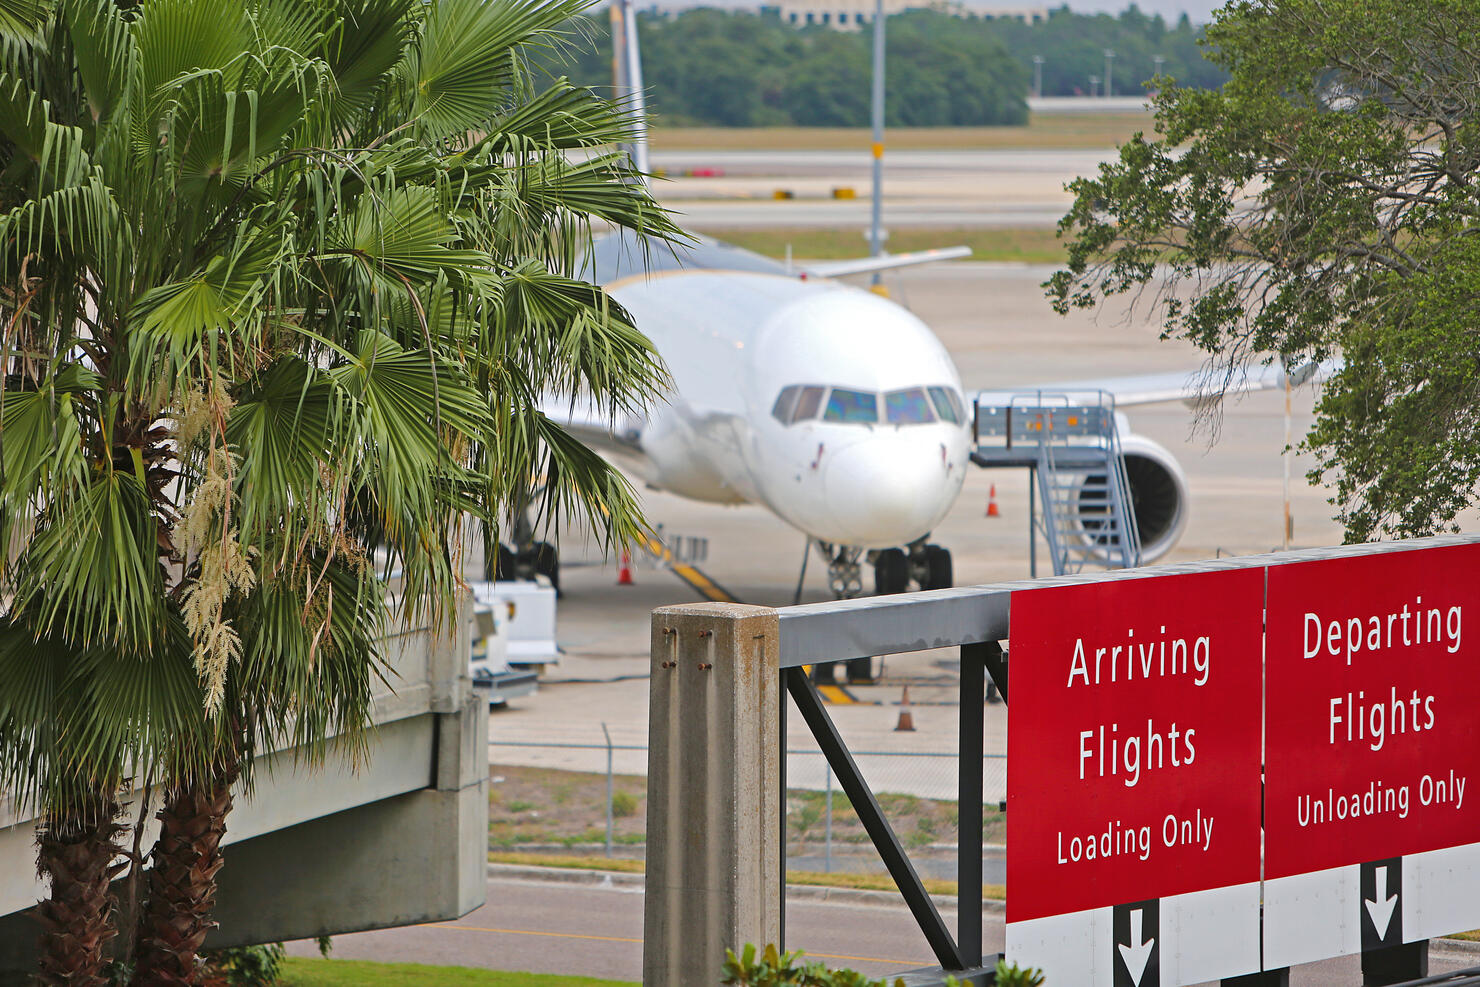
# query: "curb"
[[563, 875], [800, 892], [1462, 947]]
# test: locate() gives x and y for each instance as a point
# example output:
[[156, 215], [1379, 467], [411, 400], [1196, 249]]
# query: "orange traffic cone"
[[624, 574], [992, 502], [906, 718]]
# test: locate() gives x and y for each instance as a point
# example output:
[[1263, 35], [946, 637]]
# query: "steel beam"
[[969, 802], [1395, 964], [809, 704], [948, 618]]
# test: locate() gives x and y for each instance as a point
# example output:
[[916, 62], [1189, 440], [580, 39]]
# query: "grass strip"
[[1027, 246], [571, 861], [1067, 131], [860, 882], [299, 972]]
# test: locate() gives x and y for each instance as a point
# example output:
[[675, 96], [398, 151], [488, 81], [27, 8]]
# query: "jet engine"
[[1158, 496]]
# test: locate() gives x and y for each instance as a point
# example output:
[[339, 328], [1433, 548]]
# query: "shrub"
[[775, 969], [1011, 975], [624, 804], [246, 966]]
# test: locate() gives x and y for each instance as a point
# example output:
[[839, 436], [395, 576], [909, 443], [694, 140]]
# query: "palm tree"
[[281, 285]]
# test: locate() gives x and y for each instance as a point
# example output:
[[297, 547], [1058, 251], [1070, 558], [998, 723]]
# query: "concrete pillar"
[[714, 775]]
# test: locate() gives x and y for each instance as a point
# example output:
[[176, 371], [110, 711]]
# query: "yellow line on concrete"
[[696, 580], [836, 694], [527, 932], [578, 935], [867, 959]]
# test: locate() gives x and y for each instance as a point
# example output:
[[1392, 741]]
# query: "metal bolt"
[[669, 664], [705, 666], [706, 633]]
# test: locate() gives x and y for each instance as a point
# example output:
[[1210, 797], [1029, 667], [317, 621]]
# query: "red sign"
[[1373, 707], [1134, 747]]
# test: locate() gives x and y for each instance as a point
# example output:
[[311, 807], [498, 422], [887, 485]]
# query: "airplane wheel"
[[891, 572], [860, 670], [823, 673], [506, 567], [939, 572], [547, 563]]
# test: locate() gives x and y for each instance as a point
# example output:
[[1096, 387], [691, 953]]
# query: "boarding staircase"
[[1071, 444]]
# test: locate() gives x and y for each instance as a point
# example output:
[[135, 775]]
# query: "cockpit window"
[[807, 403], [851, 406], [786, 403], [947, 405], [797, 402], [907, 407]]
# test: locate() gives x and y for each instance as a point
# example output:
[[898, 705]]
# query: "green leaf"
[[465, 62], [282, 427], [91, 574], [22, 20]]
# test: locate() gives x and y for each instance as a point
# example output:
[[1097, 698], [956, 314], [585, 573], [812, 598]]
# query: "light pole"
[[1109, 58], [1038, 76], [1159, 61], [876, 233], [1094, 86]]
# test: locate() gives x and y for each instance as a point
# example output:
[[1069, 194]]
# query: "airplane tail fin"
[[627, 79]]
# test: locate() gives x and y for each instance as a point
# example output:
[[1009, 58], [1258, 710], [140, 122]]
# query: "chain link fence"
[[916, 789]]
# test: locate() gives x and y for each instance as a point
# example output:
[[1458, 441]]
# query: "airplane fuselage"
[[835, 409]]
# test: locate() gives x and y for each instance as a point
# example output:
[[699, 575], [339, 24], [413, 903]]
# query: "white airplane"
[[833, 408]]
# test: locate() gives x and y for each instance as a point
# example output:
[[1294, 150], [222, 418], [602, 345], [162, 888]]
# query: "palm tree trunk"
[[182, 880], [76, 852]]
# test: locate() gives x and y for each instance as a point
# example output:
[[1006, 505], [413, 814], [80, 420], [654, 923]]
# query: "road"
[[596, 931]]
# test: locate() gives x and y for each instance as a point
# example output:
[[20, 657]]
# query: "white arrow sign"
[[1381, 910], [1135, 956]]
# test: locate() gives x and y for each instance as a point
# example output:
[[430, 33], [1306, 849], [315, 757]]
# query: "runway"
[[941, 189]]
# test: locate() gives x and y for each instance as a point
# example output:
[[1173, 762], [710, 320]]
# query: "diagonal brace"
[[809, 704], [995, 660]]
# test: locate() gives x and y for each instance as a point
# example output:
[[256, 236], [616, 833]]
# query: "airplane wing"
[[886, 262], [1192, 388], [593, 426]]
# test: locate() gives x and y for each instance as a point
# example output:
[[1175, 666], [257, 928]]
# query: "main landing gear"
[[927, 566], [531, 559], [528, 558]]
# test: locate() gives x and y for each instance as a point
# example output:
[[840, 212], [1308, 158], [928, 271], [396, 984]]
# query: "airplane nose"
[[889, 490]]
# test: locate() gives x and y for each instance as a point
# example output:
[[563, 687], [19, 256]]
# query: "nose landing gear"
[[844, 571], [927, 566]]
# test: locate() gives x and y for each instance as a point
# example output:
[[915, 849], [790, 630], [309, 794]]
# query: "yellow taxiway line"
[[700, 583]]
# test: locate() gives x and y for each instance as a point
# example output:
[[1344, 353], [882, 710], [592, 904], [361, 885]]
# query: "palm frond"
[[22, 20], [466, 60], [90, 576]]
